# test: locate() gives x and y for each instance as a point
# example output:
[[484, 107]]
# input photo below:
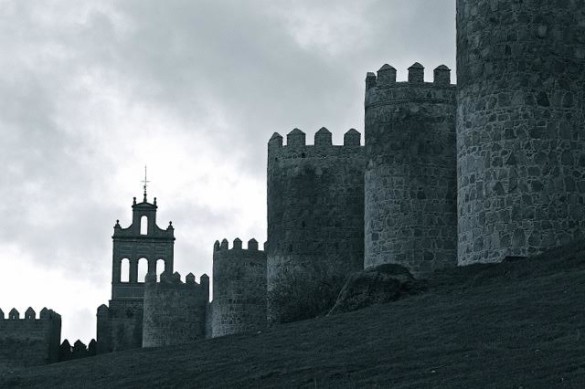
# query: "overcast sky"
[[91, 91]]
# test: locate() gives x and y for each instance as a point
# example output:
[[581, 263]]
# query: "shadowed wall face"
[[315, 220], [29, 341], [411, 177], [174, 312], [239, 288], [520, 118]]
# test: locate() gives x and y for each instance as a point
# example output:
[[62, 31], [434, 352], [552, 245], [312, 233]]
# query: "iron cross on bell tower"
[[145, 182]]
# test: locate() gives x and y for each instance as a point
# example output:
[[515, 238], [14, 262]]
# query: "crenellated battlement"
[[239, 288], [30, 340], [237, 245], [322, 139], [169, 279], [30, 314], [386, 76], [174, 311], [382, 88]]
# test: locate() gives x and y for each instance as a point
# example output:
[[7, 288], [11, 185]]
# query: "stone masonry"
[[492, 167], [239, 288], [520, 118], [174, 312], [315, 214], [29, 341], [119, 326], [411, 176]]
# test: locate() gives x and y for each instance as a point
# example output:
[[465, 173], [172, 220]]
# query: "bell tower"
[[143, 243]]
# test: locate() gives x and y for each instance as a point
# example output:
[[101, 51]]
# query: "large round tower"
[[520, 126], [315, 221], [411, 176]]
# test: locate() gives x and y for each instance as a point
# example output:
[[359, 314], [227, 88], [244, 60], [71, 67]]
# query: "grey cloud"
[[230, 72]]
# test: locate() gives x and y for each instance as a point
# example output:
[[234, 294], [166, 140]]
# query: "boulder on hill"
[[376, 285]]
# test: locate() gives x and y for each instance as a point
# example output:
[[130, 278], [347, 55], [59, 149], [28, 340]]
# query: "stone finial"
[[13, 314], [442, 75], [275, 140], [216, 245], [176, 277], [386, 75], [416, 73], [323, 137], [170, 227], [1, 314], [352, 138], [237, 244], [190, 279], [30, 314], [224, 244], [296, 138], [253, 245]]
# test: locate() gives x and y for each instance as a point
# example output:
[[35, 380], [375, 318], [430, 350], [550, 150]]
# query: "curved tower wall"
[[315, 217], [520, 126], [411, 175], [174, 312], [239, 288]]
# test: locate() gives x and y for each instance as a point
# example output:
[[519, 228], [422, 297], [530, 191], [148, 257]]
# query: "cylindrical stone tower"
[[520, 126], [315, 222], [411, 176], [239, 288]]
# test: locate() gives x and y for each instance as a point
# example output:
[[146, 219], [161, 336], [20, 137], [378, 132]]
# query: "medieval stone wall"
[[239, 288], [411, 177], [315, 217], [520, 119], [119, 326], [174, 312], [29, 341]]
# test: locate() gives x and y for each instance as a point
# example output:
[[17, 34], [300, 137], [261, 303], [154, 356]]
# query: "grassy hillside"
[[518, 324]]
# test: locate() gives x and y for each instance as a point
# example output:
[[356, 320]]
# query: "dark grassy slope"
[[512, 325]]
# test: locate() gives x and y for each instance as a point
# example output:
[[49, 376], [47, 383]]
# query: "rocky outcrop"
[[376, 285]]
